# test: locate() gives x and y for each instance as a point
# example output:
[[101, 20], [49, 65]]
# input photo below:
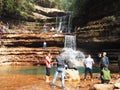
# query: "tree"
[[1, 4], [17, 7], [78, 7], [63, 4]]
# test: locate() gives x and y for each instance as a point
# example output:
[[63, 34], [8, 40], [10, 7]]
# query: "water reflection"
[[32, 70]]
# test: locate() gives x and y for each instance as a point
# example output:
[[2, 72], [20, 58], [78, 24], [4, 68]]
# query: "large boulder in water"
[[72, 75]]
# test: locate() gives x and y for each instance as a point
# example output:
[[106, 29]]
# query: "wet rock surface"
[[37, 82]]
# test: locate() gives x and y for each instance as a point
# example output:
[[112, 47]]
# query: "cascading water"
[[70, 42], [63, 23], [76, 57], [60, 26]]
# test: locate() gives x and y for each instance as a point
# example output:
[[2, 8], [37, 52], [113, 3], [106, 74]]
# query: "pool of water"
[[33, 70]]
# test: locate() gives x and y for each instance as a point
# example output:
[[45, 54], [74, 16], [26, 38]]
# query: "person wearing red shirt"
[[48, 59]]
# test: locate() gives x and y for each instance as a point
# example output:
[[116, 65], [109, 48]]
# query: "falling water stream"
[[75, 56], [63, 23]]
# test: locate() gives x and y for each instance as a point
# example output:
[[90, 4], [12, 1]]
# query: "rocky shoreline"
[[37, 82]]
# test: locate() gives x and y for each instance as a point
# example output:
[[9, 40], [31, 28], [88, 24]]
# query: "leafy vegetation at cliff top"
[[86, 8]]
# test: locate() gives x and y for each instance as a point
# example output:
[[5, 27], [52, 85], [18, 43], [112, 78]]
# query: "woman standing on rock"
[[48, 59]]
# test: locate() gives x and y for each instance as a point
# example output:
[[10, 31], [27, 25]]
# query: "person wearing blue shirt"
[[104, 61]]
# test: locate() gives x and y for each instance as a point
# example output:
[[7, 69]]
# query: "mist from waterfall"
[[75, 56]]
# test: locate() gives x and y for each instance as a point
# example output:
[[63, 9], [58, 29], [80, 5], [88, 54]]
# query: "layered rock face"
[[99, 36], [25, 46]]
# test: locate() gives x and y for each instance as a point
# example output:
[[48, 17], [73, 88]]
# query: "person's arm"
[[84, 63], [93, 61]]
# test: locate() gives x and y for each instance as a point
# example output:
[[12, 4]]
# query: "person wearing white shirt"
[[88, 66]]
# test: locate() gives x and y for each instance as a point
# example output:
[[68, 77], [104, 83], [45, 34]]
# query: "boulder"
[[72, 74], [117, 83], [103, 87]]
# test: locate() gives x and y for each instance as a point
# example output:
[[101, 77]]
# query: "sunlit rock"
[[103, 87]]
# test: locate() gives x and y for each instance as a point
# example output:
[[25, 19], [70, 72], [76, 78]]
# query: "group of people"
[[3, 30], [88, 63], [104, 71], [103, 64], [45, 28]]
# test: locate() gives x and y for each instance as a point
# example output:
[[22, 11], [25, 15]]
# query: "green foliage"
[[63, 4], [19, 7], [9, 5], [78, 7], [25, 7], [95, 8]]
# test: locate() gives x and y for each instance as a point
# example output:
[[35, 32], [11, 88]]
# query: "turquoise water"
[[33, 70]]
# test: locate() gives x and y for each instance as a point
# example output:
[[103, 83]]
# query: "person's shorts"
[[48, 71]]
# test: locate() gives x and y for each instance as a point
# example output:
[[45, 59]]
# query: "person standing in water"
[[48, 59]]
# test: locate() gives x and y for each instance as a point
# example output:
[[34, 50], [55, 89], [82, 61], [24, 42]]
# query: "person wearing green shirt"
[[105, 77]]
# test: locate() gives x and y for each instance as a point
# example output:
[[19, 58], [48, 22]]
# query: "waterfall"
[[69, 23], [63, 23], [75, 56], [70, 42], [56, 22], [60, 26]]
